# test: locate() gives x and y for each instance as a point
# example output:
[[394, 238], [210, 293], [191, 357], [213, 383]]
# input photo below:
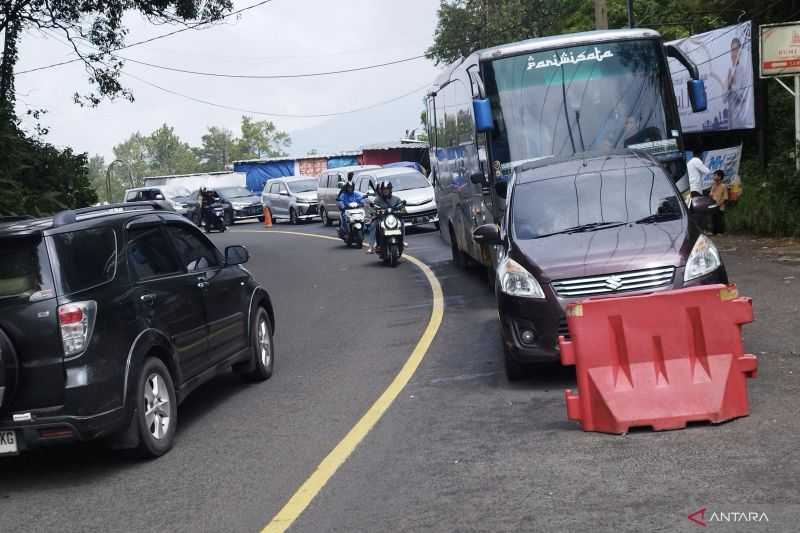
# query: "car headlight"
[[391, 222], [516, 281], [703, 260]]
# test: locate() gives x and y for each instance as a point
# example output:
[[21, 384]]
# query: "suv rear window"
[[86, 258], [25, 269]]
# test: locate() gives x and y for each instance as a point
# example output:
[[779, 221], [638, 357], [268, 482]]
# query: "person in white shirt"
[[696, 170]]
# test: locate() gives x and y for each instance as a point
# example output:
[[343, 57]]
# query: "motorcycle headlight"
[[703, 260], [516, 281], [391, 222]]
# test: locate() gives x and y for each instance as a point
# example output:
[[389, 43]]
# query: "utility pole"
[[631, 21], [600, 14]]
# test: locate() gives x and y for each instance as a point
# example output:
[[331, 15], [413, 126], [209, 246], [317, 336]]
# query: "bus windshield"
[[595, 98]]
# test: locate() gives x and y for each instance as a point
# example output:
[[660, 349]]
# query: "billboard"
[[780, 49], [725, 60]]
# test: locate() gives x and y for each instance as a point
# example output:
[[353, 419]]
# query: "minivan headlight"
[[516, 281], [703, 260]]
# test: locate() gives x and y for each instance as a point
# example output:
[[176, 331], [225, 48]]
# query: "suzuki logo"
[[613, 282]]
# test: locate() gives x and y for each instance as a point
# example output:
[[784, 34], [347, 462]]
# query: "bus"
[[553, 97]]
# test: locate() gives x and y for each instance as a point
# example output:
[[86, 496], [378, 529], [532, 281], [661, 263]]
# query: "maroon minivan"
[[588, 227]]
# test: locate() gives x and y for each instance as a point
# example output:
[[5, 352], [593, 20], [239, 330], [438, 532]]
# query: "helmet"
[[385, 188], [349, 187]]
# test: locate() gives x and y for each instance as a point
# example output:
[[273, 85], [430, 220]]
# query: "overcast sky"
[[282, 37]]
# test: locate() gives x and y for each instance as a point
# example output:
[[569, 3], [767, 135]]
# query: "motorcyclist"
[[346, 196], [385, 199]]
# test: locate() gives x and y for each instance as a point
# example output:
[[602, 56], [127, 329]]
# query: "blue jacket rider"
[[347, 195]]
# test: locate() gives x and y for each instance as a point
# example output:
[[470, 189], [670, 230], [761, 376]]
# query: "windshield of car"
[[234, 192], [407, 181], [25, 269], [302, 185], [592, 202], [592, 98]]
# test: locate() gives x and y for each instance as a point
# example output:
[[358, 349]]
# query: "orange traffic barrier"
[[267, 217], [659, 360]]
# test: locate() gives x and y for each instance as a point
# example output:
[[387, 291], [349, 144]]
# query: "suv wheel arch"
[[150, 343]]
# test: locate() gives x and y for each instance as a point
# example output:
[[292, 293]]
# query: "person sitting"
[[386, 199], [346, 196], [719, 192]]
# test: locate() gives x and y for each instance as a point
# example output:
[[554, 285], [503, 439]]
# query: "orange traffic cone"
[[267, 217]]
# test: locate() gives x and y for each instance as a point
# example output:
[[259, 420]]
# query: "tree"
[[219, 149], [261, 138], [38, 178], [168, 154], [161, 153], [96, 23]]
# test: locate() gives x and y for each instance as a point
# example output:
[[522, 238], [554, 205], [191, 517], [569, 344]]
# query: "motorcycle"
[[214, 217], [354, 232], [389, 236]]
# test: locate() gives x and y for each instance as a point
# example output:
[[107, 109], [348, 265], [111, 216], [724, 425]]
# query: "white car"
[[409, 185]]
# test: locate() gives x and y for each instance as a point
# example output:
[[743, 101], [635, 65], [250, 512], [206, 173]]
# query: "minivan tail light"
[[76, 321]]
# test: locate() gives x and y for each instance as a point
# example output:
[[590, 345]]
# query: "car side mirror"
[[482, 109], [697, 95], [487, 234], [477, 178], [236, 255], [501, 188]]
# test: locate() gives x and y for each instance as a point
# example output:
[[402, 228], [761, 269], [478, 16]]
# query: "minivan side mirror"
[[487, 234], [697, 95], [482, 109], [501, 188], [236, 255]]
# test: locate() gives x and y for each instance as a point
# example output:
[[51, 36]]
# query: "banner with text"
[[725, 60]]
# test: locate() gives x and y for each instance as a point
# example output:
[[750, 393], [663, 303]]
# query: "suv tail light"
[[76, 321]]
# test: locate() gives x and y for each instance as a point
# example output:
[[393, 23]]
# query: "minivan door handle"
[[202, 283]]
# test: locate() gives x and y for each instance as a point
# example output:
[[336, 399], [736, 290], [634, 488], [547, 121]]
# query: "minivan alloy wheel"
[[158, 408]]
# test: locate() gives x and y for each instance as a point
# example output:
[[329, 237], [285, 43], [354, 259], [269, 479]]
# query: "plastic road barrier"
[[267, 217], [658, 360]]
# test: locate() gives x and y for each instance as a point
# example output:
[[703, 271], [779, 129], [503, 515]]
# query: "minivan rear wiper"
[[658, 217], [594, 226]]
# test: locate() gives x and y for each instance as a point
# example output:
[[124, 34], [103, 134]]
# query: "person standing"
[[719, 192], [696, 170]]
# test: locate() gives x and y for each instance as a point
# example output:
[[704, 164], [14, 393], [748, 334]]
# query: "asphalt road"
[[460, 450]]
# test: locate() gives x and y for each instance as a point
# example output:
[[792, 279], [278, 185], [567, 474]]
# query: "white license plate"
[[8, 442], [392, 232]]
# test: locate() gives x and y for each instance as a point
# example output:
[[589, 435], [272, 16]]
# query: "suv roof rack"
[[71, 216]]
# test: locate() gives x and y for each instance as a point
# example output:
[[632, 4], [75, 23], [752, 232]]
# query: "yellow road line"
[[301, 499]]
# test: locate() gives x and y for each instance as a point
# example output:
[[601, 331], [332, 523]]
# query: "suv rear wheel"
[[156, 409], [325, 219]]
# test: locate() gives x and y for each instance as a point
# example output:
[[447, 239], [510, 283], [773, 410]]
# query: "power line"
[[271, 76], [151, 39], [269, 114]]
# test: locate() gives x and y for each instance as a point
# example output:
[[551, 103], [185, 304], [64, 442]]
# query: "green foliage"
[[38, 178], [261, 138], [159, 154], [768, 205], [218, 150]]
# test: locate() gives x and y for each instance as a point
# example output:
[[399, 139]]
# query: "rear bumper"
[[44, 431]]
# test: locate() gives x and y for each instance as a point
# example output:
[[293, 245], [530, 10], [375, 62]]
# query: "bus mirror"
[[697, 95], [482, 110], [501, 188]]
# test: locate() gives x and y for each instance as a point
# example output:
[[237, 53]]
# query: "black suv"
[[110, 316]]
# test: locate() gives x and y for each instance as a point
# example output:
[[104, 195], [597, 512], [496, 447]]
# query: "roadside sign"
[[780, 50]]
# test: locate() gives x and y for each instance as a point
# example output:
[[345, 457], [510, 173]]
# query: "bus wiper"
[[594, 226], [658, 217]]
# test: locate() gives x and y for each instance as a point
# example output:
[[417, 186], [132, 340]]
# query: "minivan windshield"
[[592, 98], [302, 185], [234, 192], [592, 202], [407, 181]]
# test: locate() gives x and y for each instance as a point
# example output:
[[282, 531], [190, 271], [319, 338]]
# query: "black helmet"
[[349, 187], [386, 188]]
